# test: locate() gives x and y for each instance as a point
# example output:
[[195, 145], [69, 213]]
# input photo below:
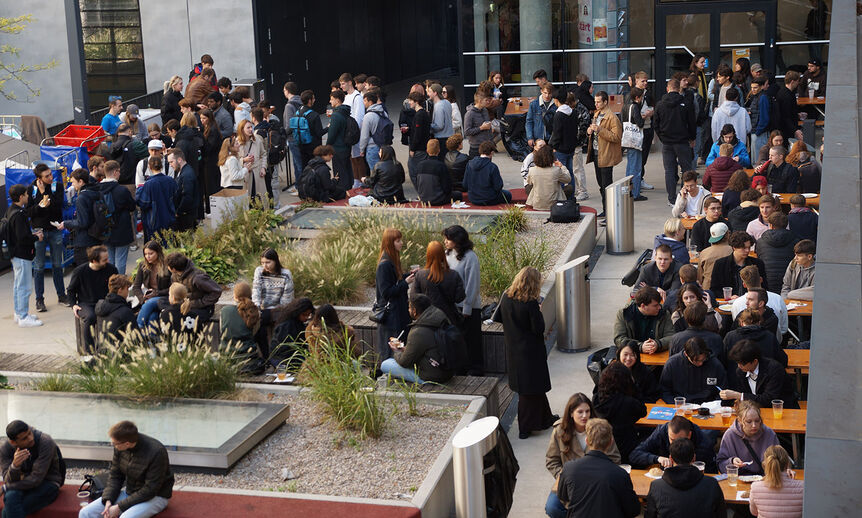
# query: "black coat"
[[21, 239], [646, 384], [729, 201], [772, 383], [788, 113], [673, 121], [764, 338], [211, 174], [171, 106], [433, 181], [420, 130], [658, 445], [392, 289], [456, 163], [783, 178], [87, 196], [594, 487], [405, 118], [114, 314], [803, 223], [700, 233], [725, 274], [191, 142], [328, 186], [564, 133], [740, 217], [524, 334], [42, 217], [697, 384], [713, 341], [775, 249], [386, 181], [685, 491], [123, 232], [444, 294], [622, 412], [187, 199], [651, 276]]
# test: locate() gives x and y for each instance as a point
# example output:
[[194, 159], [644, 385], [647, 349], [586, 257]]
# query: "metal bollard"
[[620, 231], [469, 447], [573, 305]]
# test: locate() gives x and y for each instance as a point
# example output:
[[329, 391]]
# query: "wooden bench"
[[494, 388]]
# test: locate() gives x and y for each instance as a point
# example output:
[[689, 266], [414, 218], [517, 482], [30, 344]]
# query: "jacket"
[[772, 383], [123, 232], [21, 240], [764, 338], [535, 122], [197, 90], [456, 163], [783, 178], [730, 200], [187, 197], [594, 486], [677, 248], [468, 268], [171, 106], [803, 222], [128, 152], [775, 249], [337, 125], [556, 457], [369, 126], [232, 173], [483, 182], [730, 112], [392, 288], [716, 95], [788, 112], [524, 335], [156, 200], [547, 186], [405, 119], [707, 258], [786, 502], [421, 350], [473, 119], [635, 110], [41, 217], [203, 291], [610, 135], [674, 123], [739, 217], [386, 181], [760, 115], [445, 295], [732, 445], [683, 489], [87, 196], [43, 465], [114, 315], [798, 282], [234, 331], [89, 286], [329, 189], [420, 131], [433, 183], [143, 282], [146, 471], [191, 142], [622, 411], [810, 173], [569, 128], [651, 276], [697, 384], [700, 233], [658, 445], [816, 82], [689, 205], [224, 121], [720, 169], [315, 126], [712, 339], [646, 384], [291, 107], [725, 274], [625, 328], [441, 120]]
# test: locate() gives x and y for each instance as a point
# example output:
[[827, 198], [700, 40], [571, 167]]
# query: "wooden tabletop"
[[793, 420], [806, 308], [810, 202], [806, 101], [641, 484], [688, 223], [518, 105], [695, 259], [796, 358]]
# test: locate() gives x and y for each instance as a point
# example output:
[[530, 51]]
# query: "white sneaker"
[[357, 184], [647, 187], [29, 321], [292, 191], [583, 196]]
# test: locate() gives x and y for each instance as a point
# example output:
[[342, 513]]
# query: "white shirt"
[[774, 301], [142, 171], [752, 382]]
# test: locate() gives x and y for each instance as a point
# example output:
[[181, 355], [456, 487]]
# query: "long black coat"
[[444, 295], [524, 333]]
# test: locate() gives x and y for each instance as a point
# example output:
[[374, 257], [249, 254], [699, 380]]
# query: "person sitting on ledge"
[[114, 313], [432, 178], [317, 182], [204, 293], [545, 181], [88, 286], [482, 179], [32, 469], [386, 178], [417, 360]]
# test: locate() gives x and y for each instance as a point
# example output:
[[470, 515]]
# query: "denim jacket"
[[535, 124]]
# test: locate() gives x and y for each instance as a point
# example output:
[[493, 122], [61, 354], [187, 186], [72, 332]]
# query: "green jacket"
[[337, 125], [421, 346], [233, 329], [624, 327]]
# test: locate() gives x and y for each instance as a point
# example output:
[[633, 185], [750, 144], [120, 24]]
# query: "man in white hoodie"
[[730, 112], [353, 98]]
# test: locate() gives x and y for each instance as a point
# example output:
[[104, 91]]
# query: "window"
[[113, 52]]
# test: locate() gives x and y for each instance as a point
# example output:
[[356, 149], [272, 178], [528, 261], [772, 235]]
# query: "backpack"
[[309, 185], [103, 217], [383, 135], [352, 132], [299, 126], [277, 148], [566, 211], [451, 348], [37, 437], [5, 235]]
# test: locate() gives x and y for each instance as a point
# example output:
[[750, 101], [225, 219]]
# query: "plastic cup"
[[699, 465], [678, 403], [732, 476], [726, 416], [281, 372], [811, 94], [687, 410], [777, 408], [728, 292]]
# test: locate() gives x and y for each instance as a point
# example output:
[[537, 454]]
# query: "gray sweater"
[[468, 269], [441, 119], [473, 119], [798, 282]]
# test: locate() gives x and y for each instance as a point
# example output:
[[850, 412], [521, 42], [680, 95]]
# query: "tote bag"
[[633, 137]]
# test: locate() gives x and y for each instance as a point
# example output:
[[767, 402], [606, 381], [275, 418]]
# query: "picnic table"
[[797, 359], [804, 308], [641, 484], [518, 105], [816, 102]]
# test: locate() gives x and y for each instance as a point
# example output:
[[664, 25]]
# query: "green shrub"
[[501, 256], [332, 271], [514, 218], [56, 383]]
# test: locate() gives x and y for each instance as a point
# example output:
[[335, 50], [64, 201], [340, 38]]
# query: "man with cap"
[[756, 70], [813, 79], [132, 118], [700, 231], [718, 248], [155, 148]]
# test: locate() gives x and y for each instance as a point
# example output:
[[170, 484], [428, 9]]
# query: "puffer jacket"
[[786, 502], [386, 180], [718, 173], [775, 249], [421, 349]]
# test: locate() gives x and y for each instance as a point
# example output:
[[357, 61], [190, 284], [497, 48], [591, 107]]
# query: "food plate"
[[726, 307], [748, 479], [794, 305], [809, 195], [655, 476]]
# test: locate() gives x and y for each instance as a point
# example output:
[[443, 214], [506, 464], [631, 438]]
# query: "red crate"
[[76, 135]]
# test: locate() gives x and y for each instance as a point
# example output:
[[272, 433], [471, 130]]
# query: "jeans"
[[634, 166], [22, 285], [372, 155], [413, 163], [604, 177], [674, 155], [149, 312], [87, 315], [553, 507], [566, 159], [54, 239], [19, 504], [296, 158], [118, 255], [579, 172], [146, 509], [391, 367]]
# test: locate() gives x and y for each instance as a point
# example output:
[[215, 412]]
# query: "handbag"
[[633, 136], [566, 211], [94, 486], [379, 313]]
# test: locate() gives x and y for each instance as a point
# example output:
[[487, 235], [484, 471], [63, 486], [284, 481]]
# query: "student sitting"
[[695, 315], [725, 273], [387, 178], [288, 335], [689, 201], [114, 313], [776, 248], [175, 313], [757, 378], [683, 487], [326, 328], [776, 318], [456, 161], [30, 467], [691, 292], [744, 443], [417, 361], [240, 322], [317, 181], [644, 321], [674, 237], [433, 181], [647, 388], [482, 178], [801, 219], [739, 217], [730, 198], [545, 181], [203, 292], [778, 494], [798, 280], [719, 235], [615, 401], [766, 205], [693, 374], [656, 448], [750, 329], [88, 286], [700, 231], [662, 273]]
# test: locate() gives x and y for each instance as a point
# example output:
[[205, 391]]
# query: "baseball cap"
[[156, 144], [816, 62], [756, 67], [132, 108], [717, 232], [757, 181]]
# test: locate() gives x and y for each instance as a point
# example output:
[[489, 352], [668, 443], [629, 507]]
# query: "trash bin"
[[255, 86], [469, 447], [620, 231], [573, 305]]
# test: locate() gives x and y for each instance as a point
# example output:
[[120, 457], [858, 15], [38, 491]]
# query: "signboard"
[[741, 53], [600, 30], [585, 21]]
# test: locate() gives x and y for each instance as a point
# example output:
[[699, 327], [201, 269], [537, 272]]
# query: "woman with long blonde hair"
[[252, 153], [391, 284], [524, 334], [441, 284], [173, 94], [778, 494], [233, 175]]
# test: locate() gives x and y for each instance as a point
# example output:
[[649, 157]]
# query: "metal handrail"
[[572, 51], [801, 42], [22, 152], [730, 45]]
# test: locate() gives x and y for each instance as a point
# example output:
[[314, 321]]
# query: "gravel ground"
[[330, 461]]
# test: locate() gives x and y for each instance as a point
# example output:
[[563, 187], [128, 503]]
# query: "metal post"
[[621, 217], [77, 66], [469, 447], [573, 305]]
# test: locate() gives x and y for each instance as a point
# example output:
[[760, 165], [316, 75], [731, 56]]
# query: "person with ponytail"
[[176, 313], [442, 285], [239, 323], [173, 94], [778, 495], [391, 285], [461, 258]]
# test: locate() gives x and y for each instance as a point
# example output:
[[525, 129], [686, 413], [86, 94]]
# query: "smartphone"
[[721, 477]]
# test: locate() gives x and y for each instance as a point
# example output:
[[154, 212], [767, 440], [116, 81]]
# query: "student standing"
[[45, 202], [463, 259], [604, 151], [21, 243]]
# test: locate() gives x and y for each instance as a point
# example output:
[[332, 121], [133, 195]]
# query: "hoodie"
[[337, 125], [740, 217], [732, 445], [765, 339], [719, 171], [369, 125], [775, 248], [683, 489], [730, 112], [739, 150], [114, 314], [673, 121], [483, 182]]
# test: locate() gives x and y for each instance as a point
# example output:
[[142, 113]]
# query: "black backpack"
[[566, 211], [309, 185], [383, 135], [277, 149], [451, 347], [103, 217], [6, 236], [37, 437], [352, 131]]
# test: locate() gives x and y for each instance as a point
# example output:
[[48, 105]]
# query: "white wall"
[[43, 40]]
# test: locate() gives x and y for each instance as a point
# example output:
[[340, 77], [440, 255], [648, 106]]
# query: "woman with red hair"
[[391, 282], [443, 286]]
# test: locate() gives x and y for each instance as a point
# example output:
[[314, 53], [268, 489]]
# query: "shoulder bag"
[[633, 136]]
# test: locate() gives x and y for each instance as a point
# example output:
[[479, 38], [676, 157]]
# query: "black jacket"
[[43, 464], [87, 196], [775, 249], [565, 132], [433, 181], [772, 383], [784, 178], [203, 291], [386, 181], [594, 486], [420, 130], [673, 121], [651, 276], [700, 233], [788, 113], [88, 286], [114, 314], [739, 217], [171, 106], [646, 383], [187, 198], [191, 142], [768, 321], [764, 338], [582, 92], [405, 118], [810, 174], [123, 232], [21, 239], [713, 341], [144, 469], [622, 412], [42, 217], [456, 163], [729, 201], [725, 274], [684, 491], [524, 334], [803, 222], [392, 289], [128, 152], [697, 384], [329, 189], [444, 294], [315, 126], [658, 445]]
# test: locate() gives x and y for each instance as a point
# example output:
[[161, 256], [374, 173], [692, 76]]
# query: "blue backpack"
[[382, 136], [299, 127]]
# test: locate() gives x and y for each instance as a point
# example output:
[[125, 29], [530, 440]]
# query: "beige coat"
[[546, 186], [258, 168], [708, 258], [610, 136], [555, 457]]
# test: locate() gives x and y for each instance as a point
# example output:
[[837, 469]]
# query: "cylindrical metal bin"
[[620, 231], [469, 447], [573, 305]]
